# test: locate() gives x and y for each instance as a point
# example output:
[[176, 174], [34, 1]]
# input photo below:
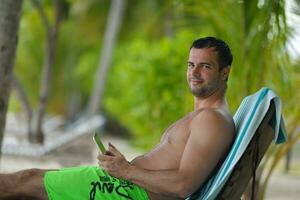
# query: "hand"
[[114, 163]]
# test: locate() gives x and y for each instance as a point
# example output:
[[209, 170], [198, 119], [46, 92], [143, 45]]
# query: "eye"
[[207, 66], [190, 65]]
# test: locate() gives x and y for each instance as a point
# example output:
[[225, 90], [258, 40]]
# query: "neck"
[[215, 100]]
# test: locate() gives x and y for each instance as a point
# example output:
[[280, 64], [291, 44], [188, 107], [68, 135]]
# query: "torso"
[[167, 154]]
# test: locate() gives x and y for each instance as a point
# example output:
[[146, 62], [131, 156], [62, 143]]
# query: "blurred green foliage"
[[147, 85], [146, 88]]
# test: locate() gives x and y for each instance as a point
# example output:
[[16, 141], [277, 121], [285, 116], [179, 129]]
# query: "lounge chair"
[[258, 120]]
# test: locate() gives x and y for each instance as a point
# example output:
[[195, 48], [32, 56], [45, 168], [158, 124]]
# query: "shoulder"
[[211, 135], [208, 116], [211, 122]]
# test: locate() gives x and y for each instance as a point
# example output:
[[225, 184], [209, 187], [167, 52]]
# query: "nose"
[[196, 70]]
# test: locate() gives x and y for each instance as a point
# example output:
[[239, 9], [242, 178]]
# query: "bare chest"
[[167, 154], [178, 133]]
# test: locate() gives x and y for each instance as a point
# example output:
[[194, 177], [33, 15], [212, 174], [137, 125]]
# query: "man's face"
[[203, 74]]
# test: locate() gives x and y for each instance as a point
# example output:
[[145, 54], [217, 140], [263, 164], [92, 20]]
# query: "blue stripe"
[[260, 98]]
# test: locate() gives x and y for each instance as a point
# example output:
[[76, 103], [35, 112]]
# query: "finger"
[[112, 152], [102, 166], [100, 154], [113, 149], [102, 157], [111, 145], [108, 153]]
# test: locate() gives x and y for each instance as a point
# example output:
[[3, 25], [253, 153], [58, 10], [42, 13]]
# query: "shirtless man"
[[188, 153]]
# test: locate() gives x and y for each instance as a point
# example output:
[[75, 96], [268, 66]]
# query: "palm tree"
[[10, 11], [113, 25]]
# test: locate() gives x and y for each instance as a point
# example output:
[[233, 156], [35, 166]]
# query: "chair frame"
[[246, 167]]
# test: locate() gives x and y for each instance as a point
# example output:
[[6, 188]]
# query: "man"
[[188, 153]]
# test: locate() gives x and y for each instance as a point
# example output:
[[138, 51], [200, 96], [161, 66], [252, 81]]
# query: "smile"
[[196, 81]]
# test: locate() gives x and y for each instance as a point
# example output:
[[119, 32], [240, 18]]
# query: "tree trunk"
[[9, 23], [112, 29], [37, 135]]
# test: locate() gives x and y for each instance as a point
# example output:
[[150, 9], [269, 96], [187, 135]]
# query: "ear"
[[225, 73]]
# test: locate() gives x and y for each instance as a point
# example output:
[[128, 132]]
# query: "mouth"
[[195, 81]]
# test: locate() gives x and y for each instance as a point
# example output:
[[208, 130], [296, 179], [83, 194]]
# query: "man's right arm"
[[136, 160], [210, 137]]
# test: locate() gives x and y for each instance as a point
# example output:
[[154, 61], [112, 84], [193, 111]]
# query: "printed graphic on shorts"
[[110, 185]]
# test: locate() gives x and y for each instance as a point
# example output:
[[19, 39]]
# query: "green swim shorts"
[[89, 183]]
